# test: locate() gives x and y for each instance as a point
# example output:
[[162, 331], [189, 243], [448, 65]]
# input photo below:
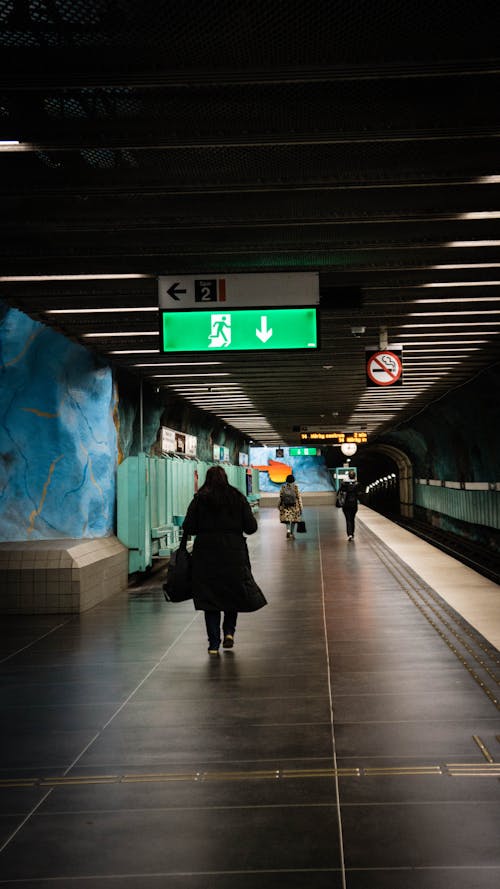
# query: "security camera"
[[357, 331]]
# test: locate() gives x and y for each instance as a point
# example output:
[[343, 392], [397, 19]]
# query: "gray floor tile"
[[430, 835], [182, 744], [425, 878], [448, 741], [127, 690], [185, 841]]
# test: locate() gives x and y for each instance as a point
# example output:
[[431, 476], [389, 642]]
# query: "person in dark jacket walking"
[[350, 490], [219, 515]]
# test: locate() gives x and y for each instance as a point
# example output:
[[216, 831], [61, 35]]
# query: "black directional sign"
[[175, 290]]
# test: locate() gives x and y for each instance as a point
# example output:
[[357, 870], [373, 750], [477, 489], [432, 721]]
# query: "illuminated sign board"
[[238, 291], [240, 330], [172, 441], [341, 474], [221, 454], [303, 452], [336, 437]]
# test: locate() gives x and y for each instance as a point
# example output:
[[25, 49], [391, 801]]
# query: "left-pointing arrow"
[[264, 334], [173, 290]]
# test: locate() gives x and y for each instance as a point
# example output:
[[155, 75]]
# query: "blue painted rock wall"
[[58, 443], [311, 473]]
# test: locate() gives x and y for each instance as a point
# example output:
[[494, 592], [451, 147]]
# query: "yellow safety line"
[[454, 769], [403, 770], [483, 748], [474, 770]]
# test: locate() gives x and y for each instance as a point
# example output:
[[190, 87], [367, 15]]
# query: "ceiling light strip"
[[122, 333], [113, 311], [178, 376], [34, 278]]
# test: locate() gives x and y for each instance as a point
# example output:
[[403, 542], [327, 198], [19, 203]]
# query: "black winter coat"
[[351, 491], [222, 578]]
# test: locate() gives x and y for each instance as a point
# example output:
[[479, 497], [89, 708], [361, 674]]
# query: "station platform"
[[351, 739]]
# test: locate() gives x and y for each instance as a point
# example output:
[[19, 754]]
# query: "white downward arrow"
[[264, 334]]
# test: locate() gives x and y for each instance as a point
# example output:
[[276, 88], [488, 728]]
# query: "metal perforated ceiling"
[[358, 140]]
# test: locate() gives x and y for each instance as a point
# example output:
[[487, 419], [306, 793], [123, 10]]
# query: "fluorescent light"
[[101, 311], [198, 396], [459, 284], [480, 214], [138, 351], [452, 314], [178, 364], [9, 142], [33, 278], [487, 180], [455, 324], [449, 333], [230, 404], [122, 333], [177, 376], [491, 243], [441, 354], [442, 300], [382, 416], [467, 265]]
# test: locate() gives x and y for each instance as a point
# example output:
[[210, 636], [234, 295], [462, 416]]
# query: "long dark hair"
[[216, 488]]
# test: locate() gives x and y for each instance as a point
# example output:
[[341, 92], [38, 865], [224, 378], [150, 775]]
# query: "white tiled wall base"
[[60, 576]]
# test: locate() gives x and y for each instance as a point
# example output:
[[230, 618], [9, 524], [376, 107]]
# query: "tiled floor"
[[337, 745]]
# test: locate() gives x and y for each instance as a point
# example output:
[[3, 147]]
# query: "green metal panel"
[[254, 496], [169, 473], [475, 507], [255, 481], [153, 494], [153, 491], [162, 492], [202, 472], [133, 511]]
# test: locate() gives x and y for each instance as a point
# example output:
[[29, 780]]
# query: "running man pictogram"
[[220, 331]]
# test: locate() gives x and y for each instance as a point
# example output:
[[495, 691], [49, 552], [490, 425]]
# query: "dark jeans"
[[212, 620], [349, 513]]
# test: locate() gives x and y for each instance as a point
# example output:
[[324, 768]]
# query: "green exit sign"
[[303, 452], [241, 330]]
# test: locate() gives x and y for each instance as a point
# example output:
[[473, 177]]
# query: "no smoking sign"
[[384, 368]]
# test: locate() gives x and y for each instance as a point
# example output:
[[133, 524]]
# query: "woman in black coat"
[[350, 490], [219, 515]]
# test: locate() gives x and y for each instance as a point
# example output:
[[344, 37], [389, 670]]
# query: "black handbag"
[[250, 596], [178, 584], [301, 528], [340, 501]]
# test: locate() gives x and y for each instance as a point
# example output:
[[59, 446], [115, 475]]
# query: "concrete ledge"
[[60, 576]]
